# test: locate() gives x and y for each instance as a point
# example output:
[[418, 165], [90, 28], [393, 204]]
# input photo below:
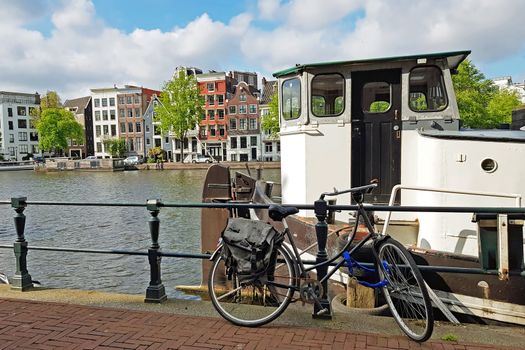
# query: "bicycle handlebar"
[[361, 189]]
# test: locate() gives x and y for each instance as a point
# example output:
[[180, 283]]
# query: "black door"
[[376, 130]]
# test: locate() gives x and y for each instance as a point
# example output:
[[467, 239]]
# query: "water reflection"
[[105, 227]]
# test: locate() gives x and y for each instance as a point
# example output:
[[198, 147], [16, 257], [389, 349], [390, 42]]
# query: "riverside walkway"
[[53, 319]]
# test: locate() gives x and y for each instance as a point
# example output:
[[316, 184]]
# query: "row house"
[[243, 124], [18, 136], [118, 113], [83, 112], [271, 146]]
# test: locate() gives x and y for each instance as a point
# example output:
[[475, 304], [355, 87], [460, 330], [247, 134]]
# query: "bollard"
[[321, 231], [155, 293], [22, 279]]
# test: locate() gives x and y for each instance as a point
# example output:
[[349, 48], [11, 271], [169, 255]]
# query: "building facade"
[[271, 146], [244, 133], [507, 83], [82, 110], [18, 136]]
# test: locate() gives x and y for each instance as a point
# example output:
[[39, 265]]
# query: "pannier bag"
[[248, 245]]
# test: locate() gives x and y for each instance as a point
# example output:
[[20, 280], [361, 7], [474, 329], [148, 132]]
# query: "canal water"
[[105, 227]]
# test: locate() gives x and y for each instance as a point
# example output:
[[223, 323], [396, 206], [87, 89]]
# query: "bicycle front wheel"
[[252, 301], [405, 292]]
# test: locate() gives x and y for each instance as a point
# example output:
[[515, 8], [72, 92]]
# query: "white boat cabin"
[[396, 120]]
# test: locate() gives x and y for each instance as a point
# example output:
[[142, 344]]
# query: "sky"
[[71, 46]]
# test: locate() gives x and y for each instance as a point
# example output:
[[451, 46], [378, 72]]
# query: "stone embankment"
[[232, 165]]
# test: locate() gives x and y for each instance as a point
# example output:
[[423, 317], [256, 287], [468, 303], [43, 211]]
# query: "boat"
[[16, 166], [395, 120]]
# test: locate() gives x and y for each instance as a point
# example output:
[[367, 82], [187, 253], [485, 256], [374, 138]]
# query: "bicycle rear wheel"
[[405, 292], [252, 301]]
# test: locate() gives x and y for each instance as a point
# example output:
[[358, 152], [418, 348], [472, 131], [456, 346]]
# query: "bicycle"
[[262, 297]]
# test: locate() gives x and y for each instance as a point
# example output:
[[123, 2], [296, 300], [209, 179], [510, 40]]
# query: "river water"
[[105, 227]]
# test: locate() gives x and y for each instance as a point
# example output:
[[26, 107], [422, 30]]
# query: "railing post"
[[22, 279], [321, 231], [155, 293]]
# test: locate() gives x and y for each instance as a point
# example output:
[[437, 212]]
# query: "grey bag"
[[248, 245]]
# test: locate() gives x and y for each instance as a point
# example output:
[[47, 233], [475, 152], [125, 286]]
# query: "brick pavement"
[[38, 325]]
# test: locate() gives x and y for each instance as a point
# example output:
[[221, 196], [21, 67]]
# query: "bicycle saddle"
[[278, 213]]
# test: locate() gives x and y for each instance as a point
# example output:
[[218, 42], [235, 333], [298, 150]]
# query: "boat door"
[[376, 130]]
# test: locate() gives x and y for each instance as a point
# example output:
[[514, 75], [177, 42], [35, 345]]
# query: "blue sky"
[[73, 45]]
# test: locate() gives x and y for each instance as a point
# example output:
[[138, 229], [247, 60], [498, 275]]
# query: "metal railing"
[[155, 292]]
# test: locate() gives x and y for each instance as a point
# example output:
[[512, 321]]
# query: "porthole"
[[489, 165]]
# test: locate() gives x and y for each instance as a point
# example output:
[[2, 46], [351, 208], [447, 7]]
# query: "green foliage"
[[49, 100], [379, 106], [449, 337], [481, 104], [419, 103], [156, 153], [115, 147], [55, 127], [181, 106], [270, 121]]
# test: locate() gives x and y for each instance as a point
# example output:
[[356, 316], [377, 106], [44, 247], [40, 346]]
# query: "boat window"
[[327, 95], [427, 90], [291, 99], [376, 97]]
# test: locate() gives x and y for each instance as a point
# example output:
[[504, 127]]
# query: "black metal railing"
[[155, 292]]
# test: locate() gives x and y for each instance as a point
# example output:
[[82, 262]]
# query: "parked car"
[[91, 158], [132, 160], [201, 158]]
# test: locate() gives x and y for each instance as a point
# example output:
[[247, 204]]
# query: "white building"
[[105, 122], [506, 83], [18, 137]]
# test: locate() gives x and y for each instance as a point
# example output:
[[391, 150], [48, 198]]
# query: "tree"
[[270, 122], [180, 107], [480, 103], [49, 100], [55, 127], [115, 147]]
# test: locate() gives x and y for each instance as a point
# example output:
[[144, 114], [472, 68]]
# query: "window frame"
[[312, 95], [298, 78], [445, 93]]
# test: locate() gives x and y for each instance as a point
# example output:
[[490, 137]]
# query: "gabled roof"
[[454, 58], [81, 103], [269, 88]]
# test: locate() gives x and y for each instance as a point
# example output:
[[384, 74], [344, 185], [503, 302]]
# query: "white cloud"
[[83, 52]]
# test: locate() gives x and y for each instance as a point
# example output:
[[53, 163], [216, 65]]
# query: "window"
[[104, 102], [242, 98], [427, 90], [242, 109], [22, 148], [121, 100], [130, 127], [211, 99], [130, 113], [97, 116], [97, 102], [253, 123], [147, 141], [33, 136], [122, 127], [211, 114], [9, 112], [376, 97], [211, 86], [137, 112], [242, 124], [136, 99], [99, 147], [128, 100], [104, 115], [22, 136], [278, 147], [138, 142], [138, 127], [121, 113], [112, 114], [233, 157], [212, 131], [22, 124], [233, 123], [328, 95], [253, 109], [97, 131], [268, 148], [220, 100], [10, 125], [32, 110], [147, 128], [232, 109], [105, 128], [220, 112], [243, 141], [253, 140], [291, 99], [11, 138], [233, 143], [221, 130], [113, 130], [112, 101], [20, 110], [166, 139]]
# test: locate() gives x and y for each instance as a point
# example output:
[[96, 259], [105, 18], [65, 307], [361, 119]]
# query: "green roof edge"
[[299, 67]]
